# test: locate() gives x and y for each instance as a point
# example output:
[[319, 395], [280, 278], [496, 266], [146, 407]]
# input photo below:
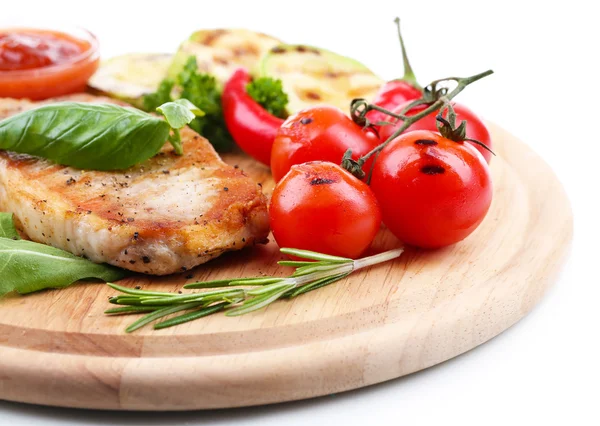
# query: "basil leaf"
[[179, 113], [26, 267], [7, 227], [85, 136]]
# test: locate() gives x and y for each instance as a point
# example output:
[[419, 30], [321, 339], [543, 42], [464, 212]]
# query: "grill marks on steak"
[[166, 215]]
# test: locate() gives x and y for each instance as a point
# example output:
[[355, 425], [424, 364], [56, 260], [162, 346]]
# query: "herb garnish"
[[7, 227], [151, 101], [27, 266], [95, 136], [178, 114], [320, 270], [203, 91], [269, 94]]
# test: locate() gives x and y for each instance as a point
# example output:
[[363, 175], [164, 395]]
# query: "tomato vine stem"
[[409, 74], [437, 98], [449, 130]]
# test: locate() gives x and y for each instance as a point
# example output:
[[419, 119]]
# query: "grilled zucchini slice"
[[130, 77], [219, 52], [312, 76]]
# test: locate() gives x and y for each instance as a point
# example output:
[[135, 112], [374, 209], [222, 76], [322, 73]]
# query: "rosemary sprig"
[[256, 293]]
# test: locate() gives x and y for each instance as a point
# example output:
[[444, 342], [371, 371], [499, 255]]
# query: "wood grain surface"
[[58, 348]]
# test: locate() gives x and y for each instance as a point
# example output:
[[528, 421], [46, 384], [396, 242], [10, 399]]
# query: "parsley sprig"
[[269, 94], [202, 90]]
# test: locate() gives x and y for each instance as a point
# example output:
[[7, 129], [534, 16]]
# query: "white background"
[[545, 91]]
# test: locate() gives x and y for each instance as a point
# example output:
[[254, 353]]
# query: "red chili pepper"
[[396, 92], [253, 128]]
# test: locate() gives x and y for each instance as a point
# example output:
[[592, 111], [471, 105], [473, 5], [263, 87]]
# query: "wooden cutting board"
[[58, 348]]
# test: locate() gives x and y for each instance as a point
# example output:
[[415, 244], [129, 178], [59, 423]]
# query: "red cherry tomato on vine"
[[321, 207], [322, 133], [432, 191], [390, 95], [475, 127]]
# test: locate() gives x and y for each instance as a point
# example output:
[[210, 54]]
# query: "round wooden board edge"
[[178, 384], [285, 374]]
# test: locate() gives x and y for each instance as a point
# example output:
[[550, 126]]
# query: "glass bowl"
[[53, 80]]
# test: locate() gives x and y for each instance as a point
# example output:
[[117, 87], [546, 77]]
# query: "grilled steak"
[[166, 215]]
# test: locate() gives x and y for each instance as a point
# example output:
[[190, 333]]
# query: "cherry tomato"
[[321, 207], [390, 95], [475, 127], [432, 191], [322, 133]]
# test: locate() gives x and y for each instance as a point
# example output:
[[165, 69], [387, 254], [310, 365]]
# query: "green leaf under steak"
[[26, 267], [7, 227]]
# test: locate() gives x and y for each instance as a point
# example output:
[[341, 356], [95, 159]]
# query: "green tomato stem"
[[410, 120], [409, 74]]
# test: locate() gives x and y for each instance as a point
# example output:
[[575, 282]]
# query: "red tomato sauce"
[[39, 64], [29, 50]]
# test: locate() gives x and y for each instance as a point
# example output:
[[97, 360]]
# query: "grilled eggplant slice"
[[221, 51], [312, 76], [130, 77]]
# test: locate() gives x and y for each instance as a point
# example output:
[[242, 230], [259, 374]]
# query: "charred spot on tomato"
[[425, 142], [321, 181], [433, 170], [306, 120]]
